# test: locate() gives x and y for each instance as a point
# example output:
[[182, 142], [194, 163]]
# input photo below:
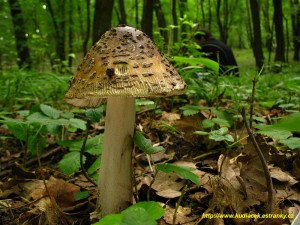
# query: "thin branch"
[[263, 162]]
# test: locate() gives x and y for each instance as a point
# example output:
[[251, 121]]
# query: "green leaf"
[[94, 145], [145, 144], [81, 195], [95, 166], [185, 172], [198, 61], [206, 123], [78, 123], [189, 110], [290, 123], [94, 114], [136, 216], [36, 143], [292, 143], [70, 163], [199, 132], [50, 111], [276, 133], [222, 122], [18, 130], [154, 209], [220, 135], [112, 219]]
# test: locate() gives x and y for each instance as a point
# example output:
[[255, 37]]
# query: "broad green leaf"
[[220, 135], [154, 209], [81, 195], [95, 166], [78, 123], [199, 132], [206, 123], [144, 102], [276, 133], [94, 115], [145, 144], [70, 163], [94, 145], [136, 216], [18, 130], [292, 142], [198, 61], [185, 172], [222, 122], [36, 143], [50, 111], [189, 110], [290, 123], [224, 116], [111, 219]]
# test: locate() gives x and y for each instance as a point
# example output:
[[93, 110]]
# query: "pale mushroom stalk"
[[122, 65], [116, 169]]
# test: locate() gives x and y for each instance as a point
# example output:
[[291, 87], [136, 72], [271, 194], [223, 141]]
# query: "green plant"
[[142, 213], [146, 146], [31, 127]]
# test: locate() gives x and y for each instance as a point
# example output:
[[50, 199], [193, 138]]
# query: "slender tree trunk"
[[20, 34], [256, 39], [161, 20], [88, 27], [123, 19], [102, 18], [202, 13], [147, 20], [58, 20], [182, 11], [175, 21], [296, 28], [137, 14], [70, 61], [280, 43]]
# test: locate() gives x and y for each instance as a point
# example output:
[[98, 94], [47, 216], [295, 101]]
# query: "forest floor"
[[232, 190], [231, 180]]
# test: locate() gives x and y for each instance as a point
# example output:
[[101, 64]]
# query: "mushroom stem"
[[115, 178]]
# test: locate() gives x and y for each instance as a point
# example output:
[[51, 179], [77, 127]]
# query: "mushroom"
[[122, 65]]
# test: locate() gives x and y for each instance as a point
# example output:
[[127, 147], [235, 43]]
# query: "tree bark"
[[58, 21], [70, 60], [296, 28], [123, 19], [280, 43], [162, 24], [256, 39], [102, 18], [147, 20], [174, 21], [88, 27], [20, 34]]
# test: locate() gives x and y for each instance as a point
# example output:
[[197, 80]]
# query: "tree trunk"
[[88, 27], [280, 44], [182, 12], [256, 39], [162, 24], [70, 60], [296, 28], [20, 34], [174, 21], [123, 19], [267, 26], [147, 20], [102, 18]]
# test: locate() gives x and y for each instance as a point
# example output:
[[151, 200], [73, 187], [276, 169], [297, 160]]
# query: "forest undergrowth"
[[194, 161]]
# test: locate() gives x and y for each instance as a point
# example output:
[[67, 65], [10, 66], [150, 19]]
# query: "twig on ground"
[[263, 162]]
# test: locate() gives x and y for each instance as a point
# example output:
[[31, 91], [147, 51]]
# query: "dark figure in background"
[[217, 51]]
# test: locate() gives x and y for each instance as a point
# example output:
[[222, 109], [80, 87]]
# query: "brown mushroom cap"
[[124, 62]]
